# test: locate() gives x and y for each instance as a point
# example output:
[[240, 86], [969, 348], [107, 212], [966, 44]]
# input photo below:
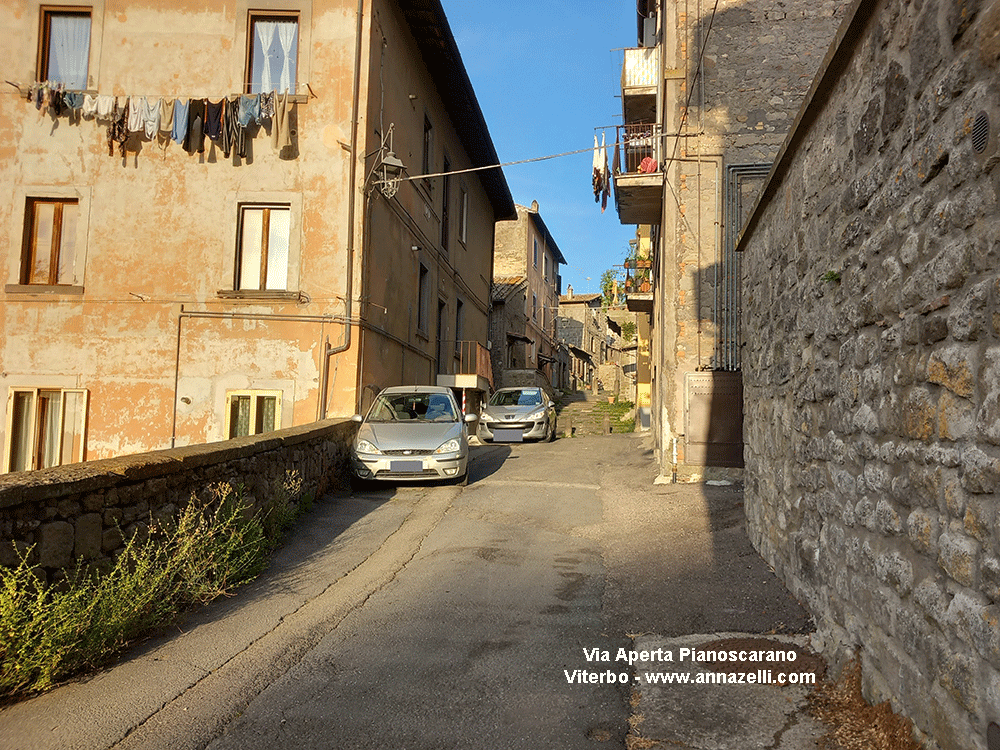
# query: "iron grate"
[[980, 132]]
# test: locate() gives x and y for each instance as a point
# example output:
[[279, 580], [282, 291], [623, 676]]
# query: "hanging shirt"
[[150, 117], [233, 133], [118, 127], [605, 175], [105, 106], [166, 117], [595, 178], [179, 132], [135, 124], [89, 106], [249, 109]]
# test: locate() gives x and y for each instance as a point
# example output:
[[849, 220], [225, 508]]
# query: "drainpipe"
[[330, 351]]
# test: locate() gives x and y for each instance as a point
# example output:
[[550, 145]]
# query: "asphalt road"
[[438, 616]]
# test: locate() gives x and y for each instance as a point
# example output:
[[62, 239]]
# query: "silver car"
[[516, 414], [412, 432]]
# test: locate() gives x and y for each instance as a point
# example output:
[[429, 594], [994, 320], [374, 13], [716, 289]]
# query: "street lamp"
[[390, 168]]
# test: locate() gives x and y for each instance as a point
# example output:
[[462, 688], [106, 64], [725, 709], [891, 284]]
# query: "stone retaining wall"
[[872, 362], [86, 510]]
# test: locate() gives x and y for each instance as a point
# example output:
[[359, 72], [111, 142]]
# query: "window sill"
[[249, 294], [423, 335], [43, 289]]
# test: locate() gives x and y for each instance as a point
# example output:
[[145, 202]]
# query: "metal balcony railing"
[[638, 276], [641, 147]]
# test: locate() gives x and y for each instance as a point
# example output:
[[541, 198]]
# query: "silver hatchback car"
[[516, 414], [412, 432]]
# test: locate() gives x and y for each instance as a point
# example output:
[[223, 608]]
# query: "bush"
[[49, 632]]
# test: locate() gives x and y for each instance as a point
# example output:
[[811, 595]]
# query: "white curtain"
[[265, 34], [287, 32], [69, 50]]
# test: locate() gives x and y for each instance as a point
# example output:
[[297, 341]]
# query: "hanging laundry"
[[249, 109], [179, 132], [266, 106], [135, 115], [57, 100], [605, 175], [648, 165], [150, 117], [281, 133], [166, 117], [213, 119], [233, 134], [118, 127], [105, 106], [74, 100], [89, 106], [194, 141]]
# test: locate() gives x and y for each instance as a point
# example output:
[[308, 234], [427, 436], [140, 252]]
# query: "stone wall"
[[872, 361], [87, 510]]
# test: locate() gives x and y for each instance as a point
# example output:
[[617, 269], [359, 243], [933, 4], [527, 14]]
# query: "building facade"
[[582, 326], [708, 94], [525, 249], [185, 265]]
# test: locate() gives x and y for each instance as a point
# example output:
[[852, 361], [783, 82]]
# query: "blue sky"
[[547, 74]]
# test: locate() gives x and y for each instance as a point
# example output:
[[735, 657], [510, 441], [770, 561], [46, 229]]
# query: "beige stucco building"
[[177, 292]]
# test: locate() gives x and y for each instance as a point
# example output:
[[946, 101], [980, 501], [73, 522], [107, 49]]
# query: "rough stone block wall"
[[88, 510], [872, 364]]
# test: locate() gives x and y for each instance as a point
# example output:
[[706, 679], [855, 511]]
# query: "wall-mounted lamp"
[[390, 168]]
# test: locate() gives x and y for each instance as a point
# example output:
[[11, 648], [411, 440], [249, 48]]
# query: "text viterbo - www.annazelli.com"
[[763, 659]]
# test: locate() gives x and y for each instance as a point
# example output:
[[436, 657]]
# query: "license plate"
[[414, 466], [505, 435]]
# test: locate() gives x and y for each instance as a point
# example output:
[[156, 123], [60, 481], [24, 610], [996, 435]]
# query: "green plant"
[[49, 632], [831, 276]]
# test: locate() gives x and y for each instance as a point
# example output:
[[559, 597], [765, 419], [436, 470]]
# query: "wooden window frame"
[[463, 214], [45, 31], [265, 236], [423, 295], [254, 395], [79, 451], [271, 15], [28, 241]]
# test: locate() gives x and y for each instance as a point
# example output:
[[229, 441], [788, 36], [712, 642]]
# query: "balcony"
[[640, 84], [639, 285], [638, 174], [469, 368]]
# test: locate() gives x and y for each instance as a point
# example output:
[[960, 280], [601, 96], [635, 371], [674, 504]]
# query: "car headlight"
[[536, 415], [451, 446], [365, 447], [485, 417]]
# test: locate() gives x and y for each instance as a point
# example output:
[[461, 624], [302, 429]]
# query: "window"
[[423, 290], [463, 214], [273, 44], [534, 307], [45, 427], [534, 259], [64, 50], [445, 207], [427, 163], [49, 255], [252, 412], [264, 231], [545, 266]]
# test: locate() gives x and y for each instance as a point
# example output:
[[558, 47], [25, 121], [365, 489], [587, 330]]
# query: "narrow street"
[[439, 616]]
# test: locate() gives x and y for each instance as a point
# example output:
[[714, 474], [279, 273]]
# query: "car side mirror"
[[552, 403], [471, 417], [357, 418]]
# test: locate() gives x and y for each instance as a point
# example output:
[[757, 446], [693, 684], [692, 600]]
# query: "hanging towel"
[[179, 132], [595, 178], [281, 133], [150, 117], [249, 109], [213, 119], [166, 116]]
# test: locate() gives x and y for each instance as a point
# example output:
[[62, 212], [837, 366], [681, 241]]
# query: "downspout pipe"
[[330, 351]]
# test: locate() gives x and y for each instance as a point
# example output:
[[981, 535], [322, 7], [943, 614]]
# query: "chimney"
[[534, 206], [569, 290]]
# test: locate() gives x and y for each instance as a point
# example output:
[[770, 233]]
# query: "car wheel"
[[360, 485], [552, 431], [464, 480]]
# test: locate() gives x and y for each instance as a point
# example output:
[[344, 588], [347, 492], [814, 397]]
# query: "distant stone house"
[[580, 325], [525, 249], [509, 341]]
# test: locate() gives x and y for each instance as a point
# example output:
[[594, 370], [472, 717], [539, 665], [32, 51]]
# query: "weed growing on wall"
[[49, 632]]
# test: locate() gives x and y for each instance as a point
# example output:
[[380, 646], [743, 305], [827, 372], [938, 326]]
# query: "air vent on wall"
[[980, 132]]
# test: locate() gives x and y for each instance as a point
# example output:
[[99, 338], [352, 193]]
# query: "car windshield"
[[413, 407], [516, 398]]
